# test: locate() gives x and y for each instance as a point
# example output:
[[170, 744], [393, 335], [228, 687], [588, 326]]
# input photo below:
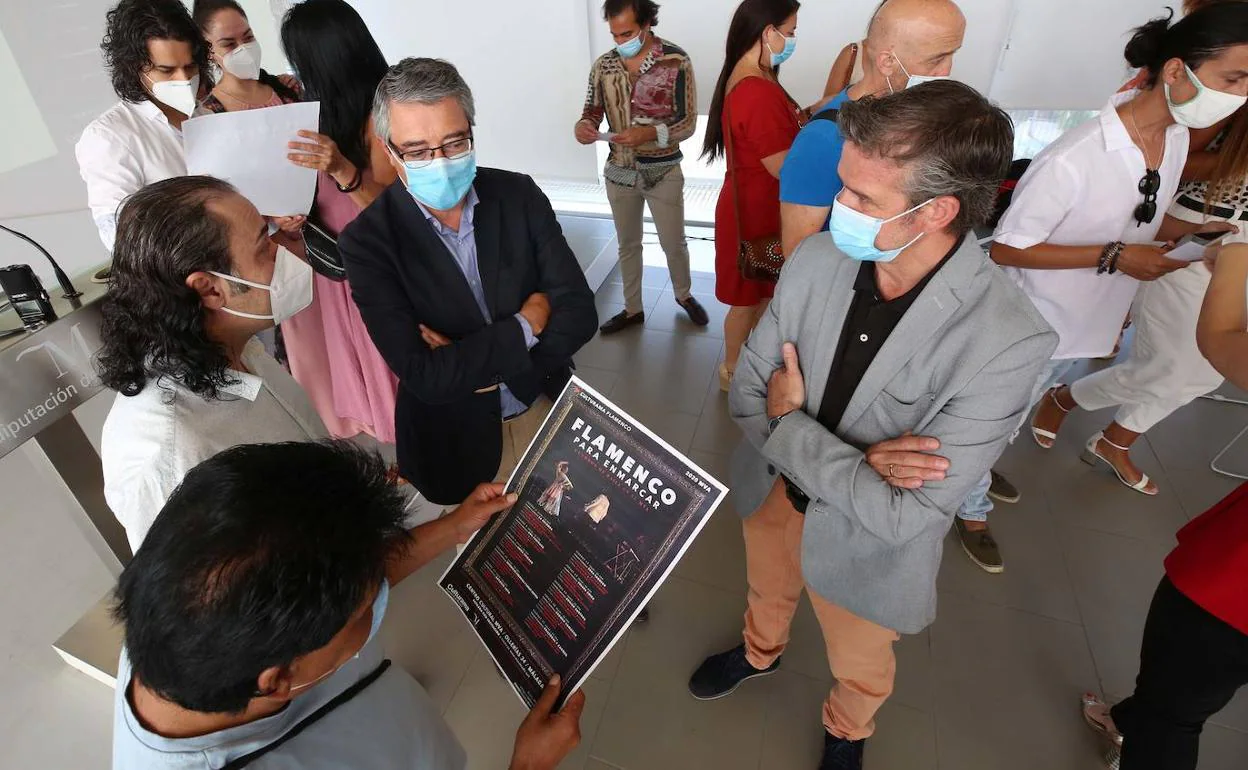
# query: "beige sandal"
[[1047, 438], [1091, 456]]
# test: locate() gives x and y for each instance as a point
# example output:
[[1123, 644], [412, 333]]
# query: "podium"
[[44, 376]]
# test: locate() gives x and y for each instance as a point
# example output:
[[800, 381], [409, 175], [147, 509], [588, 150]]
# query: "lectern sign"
[[47, 374]]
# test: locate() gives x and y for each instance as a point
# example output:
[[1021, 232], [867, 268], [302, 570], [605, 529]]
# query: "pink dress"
[[331, 355]]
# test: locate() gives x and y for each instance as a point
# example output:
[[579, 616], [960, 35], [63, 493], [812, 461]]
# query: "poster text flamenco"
[[649, 486]]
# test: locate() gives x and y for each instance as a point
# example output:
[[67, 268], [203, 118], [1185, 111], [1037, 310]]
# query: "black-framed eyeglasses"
[[1149, 185], [456, 148]]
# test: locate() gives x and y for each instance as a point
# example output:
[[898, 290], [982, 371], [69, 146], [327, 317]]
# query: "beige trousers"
[[667, 207], [518, 433], [860, 653]]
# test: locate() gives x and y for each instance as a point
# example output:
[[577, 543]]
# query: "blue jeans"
[[977, 504]]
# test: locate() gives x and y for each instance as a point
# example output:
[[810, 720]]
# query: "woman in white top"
[[1079, 234], [157, 61]]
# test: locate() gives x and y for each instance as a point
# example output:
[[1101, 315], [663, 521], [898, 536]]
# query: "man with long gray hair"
[[920, 357], [467, 286]]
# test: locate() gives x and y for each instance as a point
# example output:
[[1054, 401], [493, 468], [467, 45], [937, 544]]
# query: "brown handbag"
[[758, 259]]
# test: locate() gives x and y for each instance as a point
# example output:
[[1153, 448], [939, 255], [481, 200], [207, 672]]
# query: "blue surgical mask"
[[854, 233], [379, 609], [914, 80], [790, 45], [633, 47], [444, 182]]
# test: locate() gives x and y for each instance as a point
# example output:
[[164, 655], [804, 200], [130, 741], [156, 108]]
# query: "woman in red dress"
[[753, 121]]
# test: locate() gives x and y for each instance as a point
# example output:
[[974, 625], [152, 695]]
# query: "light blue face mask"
[[790, 45], [379, 609], [444, 182], [632, 47], [854, 233], [914, 80]]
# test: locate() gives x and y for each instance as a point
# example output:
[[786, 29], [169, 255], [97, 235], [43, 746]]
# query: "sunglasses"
[[1149, 185]]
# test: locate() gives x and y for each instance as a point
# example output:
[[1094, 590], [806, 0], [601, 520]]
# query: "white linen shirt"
[[153, 439], [120, 152], [1082, 191]]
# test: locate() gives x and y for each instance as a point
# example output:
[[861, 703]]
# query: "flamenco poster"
[[606, 509]]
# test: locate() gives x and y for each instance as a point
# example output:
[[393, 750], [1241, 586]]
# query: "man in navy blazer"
[[467, 286]]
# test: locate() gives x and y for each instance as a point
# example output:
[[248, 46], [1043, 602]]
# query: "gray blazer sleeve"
[[973, 429]]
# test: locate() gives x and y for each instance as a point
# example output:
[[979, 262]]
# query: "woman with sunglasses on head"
[[1081, 233], [330, 353]]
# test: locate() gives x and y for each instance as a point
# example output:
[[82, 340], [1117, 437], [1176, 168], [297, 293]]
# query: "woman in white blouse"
[[1079, 234], [157, 60]]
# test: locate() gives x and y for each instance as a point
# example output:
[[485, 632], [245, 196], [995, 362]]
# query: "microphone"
[[67, 286]]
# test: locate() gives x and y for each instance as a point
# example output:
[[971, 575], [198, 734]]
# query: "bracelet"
[[354, 184], [662, 134], [1108, 262]]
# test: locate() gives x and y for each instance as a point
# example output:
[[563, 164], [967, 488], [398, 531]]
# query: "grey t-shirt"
[[391, 725]]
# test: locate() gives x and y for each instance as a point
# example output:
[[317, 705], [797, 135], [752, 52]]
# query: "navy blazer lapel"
[[487, 227]]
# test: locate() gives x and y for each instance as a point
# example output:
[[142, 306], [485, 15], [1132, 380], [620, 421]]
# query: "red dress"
[[763, 121]]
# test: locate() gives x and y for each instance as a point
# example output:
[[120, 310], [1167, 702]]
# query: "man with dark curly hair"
[[195, 277], [158, 63]]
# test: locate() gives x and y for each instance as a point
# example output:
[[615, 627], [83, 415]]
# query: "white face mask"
[[289, 293], [181, 95], [1206, 108], [243, 62], [914, 80]]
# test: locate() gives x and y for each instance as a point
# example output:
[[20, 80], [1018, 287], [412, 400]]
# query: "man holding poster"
[[901, 325]]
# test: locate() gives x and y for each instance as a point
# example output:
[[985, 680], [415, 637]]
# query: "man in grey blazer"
[[886, 377]]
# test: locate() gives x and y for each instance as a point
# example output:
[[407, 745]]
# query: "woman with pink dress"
[[330, 352]]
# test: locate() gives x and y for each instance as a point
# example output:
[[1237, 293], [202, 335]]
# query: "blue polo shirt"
[[809, 176]]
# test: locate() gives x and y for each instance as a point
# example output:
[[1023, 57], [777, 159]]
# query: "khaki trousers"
[[860, 653], [518, 433], [667, 207]]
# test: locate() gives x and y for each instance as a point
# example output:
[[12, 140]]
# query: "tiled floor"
[[993, 684]]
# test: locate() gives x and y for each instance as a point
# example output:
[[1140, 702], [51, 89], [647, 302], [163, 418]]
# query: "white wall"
[[1067, 54], [60, 85], [526, 63]]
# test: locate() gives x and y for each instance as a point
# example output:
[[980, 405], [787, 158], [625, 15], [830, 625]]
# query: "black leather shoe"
[[841, 754], [621, 321], [720, 675], [696, 312]]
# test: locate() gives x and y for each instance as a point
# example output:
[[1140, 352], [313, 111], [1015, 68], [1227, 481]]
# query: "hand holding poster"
[[605, 510]]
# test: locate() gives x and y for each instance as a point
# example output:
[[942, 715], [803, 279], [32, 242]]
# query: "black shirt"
[[869, 322]]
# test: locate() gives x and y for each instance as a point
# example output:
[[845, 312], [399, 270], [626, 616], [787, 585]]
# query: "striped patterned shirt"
[[661, 94]]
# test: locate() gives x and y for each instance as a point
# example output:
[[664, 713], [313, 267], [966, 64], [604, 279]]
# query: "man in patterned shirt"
[[644, 87]]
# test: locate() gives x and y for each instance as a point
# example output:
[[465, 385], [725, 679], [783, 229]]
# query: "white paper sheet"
[[248, 149]]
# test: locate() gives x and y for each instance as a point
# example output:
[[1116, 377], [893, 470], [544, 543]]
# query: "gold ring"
[[891, 475]]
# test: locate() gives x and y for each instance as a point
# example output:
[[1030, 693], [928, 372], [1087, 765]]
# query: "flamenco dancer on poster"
[[552, 498], [597, 508]]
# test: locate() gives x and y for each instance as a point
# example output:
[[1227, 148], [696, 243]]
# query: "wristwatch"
[[774, 423]]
